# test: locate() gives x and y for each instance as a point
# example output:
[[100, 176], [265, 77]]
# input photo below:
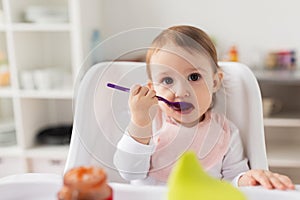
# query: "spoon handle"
[[125, 89], [111, 85]]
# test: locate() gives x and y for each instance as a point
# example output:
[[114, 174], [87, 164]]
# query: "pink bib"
[[209, 139]]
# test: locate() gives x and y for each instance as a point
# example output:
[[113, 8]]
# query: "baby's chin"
[[189, 122]]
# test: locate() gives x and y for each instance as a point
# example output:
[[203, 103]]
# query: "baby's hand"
[[140, 102], [267, 179]]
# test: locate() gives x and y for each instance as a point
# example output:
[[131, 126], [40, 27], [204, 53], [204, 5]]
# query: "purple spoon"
[[174, 105]]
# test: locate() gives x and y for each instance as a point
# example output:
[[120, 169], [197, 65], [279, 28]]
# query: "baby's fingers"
[[144, 91], [277, 184], [135, 89], [138, 90], [247, 180], [263, 179], [267, 179], [151, 94], [271, 180], [285, 182]]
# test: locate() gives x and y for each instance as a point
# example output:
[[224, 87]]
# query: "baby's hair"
[[188, 37]]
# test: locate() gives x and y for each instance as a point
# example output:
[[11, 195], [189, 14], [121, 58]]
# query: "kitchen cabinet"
[[282, 125], [43, 55]]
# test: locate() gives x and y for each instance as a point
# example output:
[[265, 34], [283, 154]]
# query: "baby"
[[182, 67]]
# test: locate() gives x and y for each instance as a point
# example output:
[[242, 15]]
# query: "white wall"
[[255, 26]]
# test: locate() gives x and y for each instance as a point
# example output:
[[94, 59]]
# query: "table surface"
[[45, 186]]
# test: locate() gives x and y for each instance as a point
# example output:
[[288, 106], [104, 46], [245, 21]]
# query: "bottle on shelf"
[[95, 40], [281, 59], [233, 54], [293, 59], [4, 71], [271, 60]]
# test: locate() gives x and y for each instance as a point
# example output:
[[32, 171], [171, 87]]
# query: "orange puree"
[[85, 183]]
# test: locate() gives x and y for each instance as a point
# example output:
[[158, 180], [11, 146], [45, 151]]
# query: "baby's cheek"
[[165, 108], [208, 82], [205, 101], [165, 93]]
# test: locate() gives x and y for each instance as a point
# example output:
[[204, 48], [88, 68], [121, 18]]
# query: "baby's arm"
[[132, 158], [142, 103], [234, 163], [267, 179]]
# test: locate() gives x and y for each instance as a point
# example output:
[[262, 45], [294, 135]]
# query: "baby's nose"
[[182, 90]]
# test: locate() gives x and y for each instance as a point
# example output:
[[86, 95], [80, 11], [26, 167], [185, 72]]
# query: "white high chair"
[[101, 114]]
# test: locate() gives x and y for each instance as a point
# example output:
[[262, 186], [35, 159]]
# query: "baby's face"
[[183, 77]]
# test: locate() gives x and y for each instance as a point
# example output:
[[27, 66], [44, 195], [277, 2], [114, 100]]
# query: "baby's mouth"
[[182, 107]]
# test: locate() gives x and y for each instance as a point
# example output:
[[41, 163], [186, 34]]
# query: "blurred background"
[[43, 44]]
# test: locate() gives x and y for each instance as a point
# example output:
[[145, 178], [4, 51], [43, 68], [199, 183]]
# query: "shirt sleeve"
[[235, 164], [132, 159]]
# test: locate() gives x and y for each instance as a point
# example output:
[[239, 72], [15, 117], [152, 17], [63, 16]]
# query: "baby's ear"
[[218, 77]]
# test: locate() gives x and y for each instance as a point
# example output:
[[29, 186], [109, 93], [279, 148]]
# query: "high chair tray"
[[45, 186]]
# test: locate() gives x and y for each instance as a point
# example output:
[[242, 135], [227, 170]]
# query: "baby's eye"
[[194, 77], [167, 80]]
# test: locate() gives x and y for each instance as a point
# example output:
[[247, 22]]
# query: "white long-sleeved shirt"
[[134, 160]]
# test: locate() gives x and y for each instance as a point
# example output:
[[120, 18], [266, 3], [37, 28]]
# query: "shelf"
[[282, 128], [6, 92], [6, 124], [55, 47], [284, 119], [283, 155], [40, 27], [46, 94], [47, 50], [11, 151], [48, 151], [277, 122], [278, 76]]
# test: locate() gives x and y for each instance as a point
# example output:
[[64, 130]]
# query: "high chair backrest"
[[243, 104], [101, 113]]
